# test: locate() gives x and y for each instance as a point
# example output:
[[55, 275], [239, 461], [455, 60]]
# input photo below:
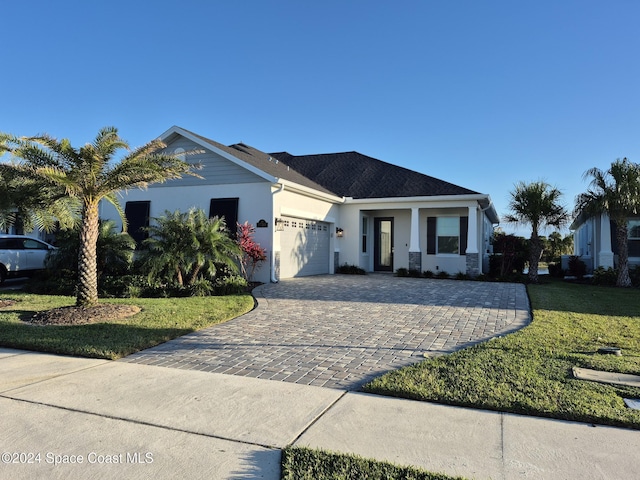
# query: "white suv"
[[21, 256]]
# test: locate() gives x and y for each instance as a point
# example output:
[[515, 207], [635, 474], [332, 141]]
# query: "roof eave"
[[307, 191]]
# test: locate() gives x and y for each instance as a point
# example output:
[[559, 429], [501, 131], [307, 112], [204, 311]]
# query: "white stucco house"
[[594, 240], [315, 212]]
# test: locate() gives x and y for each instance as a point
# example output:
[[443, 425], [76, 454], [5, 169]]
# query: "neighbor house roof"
[[352, 174]]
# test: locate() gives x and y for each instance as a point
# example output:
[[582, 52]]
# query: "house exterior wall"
[[351, 244], [594, 241], [254, 205]]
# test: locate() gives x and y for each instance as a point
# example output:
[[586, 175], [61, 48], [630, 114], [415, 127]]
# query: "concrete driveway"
[[341, 331]]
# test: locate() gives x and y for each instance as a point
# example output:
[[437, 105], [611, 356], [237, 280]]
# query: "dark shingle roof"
[[352, 174]]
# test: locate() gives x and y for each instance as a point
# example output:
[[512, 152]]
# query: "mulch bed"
[[83, 315]]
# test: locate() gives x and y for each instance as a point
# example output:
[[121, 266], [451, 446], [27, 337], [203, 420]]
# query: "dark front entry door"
[[383, 244]]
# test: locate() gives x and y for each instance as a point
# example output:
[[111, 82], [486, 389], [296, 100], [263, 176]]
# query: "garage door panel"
[[304, 248]]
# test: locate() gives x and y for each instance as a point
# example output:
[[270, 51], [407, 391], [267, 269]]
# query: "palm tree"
[[616, 192], [536, 204], [90, 175], [34, 204], [186, 246], [114, 250]]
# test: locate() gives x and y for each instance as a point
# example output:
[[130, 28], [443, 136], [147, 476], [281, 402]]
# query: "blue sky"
[[481, 94]]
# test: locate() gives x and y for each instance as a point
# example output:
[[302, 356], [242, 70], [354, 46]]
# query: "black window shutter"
[[614, 238], [227, 208], [137, 215], [464, 228], [431, 235]]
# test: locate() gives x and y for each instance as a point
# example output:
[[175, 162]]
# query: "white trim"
[[309, 192], [293, 212]]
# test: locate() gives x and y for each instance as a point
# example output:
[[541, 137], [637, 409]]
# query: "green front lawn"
[[299, 463], [160, 320], [530, 371]]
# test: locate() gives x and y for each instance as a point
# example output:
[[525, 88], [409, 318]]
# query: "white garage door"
[[304, 248]]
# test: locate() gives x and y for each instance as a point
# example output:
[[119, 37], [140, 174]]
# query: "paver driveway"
[[340, 331]]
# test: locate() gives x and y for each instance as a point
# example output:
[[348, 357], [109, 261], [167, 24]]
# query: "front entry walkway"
[[341, 331]]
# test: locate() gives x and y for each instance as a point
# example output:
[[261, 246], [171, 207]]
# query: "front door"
[[383, 244]]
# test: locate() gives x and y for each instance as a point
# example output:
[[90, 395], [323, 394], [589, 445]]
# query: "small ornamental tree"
[[252, 253]]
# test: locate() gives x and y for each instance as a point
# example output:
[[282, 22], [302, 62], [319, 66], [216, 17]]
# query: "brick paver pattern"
[[341, 331]]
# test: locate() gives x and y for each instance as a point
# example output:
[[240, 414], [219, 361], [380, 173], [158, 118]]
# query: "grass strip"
[[302, 463], [160, 320], [530, 371]]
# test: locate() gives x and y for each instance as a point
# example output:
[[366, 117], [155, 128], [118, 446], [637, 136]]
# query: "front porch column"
[[472, 252], [415, 255], [605, 255]]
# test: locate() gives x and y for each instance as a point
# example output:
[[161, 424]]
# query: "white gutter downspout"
[[273, 256]]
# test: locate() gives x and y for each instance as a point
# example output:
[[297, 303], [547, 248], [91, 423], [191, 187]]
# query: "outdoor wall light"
[[339, 232], [279, 224]]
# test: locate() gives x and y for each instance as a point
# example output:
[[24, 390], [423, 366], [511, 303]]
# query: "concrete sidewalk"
[[65, 417]]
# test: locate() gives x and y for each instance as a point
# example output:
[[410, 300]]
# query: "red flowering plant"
[[252, 253]]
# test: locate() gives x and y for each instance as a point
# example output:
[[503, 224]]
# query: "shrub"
[[555, 270], [602, 276], [461, 276], [350, 270], [577, 268], [414, 273], [252, 253], [428, 274], [402, 272], [230, 285], [442, 274]]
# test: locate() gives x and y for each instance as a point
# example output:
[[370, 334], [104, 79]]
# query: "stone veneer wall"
[[415, 261], [473, 264]]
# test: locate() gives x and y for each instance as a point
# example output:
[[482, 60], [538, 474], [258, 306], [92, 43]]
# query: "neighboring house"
[[594, 241], [315, 212]]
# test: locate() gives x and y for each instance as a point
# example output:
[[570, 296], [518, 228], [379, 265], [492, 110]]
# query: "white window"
[[448, 235]]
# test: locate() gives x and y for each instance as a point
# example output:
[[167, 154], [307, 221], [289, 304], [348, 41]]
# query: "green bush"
[[555, 270], [402, 272], [350, 270], [230, 285], [602, 276], [442, 274], [428, 274], [577, 268], [461, 276], [414, 273]]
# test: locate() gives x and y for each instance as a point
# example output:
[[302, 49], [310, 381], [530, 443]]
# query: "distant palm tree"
[[90, 175], [615, 192], [187, 245], [536, 204]]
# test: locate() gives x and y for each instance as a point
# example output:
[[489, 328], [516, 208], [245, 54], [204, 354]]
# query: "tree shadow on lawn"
[[96, 340]]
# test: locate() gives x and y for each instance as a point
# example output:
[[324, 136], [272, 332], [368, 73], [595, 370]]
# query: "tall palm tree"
[[90, 174], [616, 192], [536, 204]]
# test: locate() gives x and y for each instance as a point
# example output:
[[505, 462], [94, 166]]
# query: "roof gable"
[[254, 160], [352, 174]]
